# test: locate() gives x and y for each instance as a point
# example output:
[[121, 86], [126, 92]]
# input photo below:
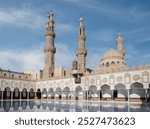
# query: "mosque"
[[112, 79]]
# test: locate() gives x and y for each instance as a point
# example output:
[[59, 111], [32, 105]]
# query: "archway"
[[92, 94], [31, 94], [44, 93], [7, 93], [137, 92], [106, 92], [24, 93], [16, 93], [78, 93], [66, 93], [51, 93], [58, 93], [120, 92], [38, 94]]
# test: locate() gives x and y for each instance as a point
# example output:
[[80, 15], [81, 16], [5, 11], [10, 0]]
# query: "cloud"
[[33, 58], [21, 17], [21, 60]]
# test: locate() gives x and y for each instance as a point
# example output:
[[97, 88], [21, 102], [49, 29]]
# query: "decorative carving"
[[98, 80], [92, 81], [104, 80], [119, 78], [136, 77], [127, 78]]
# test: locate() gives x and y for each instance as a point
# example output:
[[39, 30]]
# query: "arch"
[[38, 94], [137, 91], [31, 94], [24, 93], [136, 85], [120, 86], [107, 64], [112, 63], [16, 93], [92, 94], [66, 93], [7, 93], [120, 92], [105, 87], [44, 93], [78, 93], [106, 92], [58, 93], [51, 93]]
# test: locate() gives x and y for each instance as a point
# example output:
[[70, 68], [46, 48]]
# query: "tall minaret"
[[119, 42], [49, 49], [81, 50]]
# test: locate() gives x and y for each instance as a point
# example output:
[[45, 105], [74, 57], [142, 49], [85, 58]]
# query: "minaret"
[[49, 49], [81, 50], [119, 42]]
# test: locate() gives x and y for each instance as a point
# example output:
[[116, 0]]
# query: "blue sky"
[[22, 27]]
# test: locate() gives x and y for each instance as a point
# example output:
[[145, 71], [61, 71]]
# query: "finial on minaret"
[[81, 21], [119, 35]]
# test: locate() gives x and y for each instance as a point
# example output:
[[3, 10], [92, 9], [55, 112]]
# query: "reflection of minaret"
[[49, 49], [81, 50], [119, 42]]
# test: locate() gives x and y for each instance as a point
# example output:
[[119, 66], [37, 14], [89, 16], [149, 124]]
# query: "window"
[[107, 64], [4, 74]]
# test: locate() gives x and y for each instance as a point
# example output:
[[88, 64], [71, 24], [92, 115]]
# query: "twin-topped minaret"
[[49, 49]]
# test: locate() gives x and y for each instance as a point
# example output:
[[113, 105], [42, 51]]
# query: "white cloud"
[[21, 60], [21, 17], [34, 58]]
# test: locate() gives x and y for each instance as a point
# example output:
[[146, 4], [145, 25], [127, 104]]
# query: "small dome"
[[112, 53]]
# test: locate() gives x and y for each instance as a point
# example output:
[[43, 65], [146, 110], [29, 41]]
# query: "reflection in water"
[[31, 104], [6, 105], [58, 106], [72, 106], [24, 105], [16, 105], [51, 105]]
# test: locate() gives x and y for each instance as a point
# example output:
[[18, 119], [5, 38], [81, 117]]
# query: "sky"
[[22, 28]]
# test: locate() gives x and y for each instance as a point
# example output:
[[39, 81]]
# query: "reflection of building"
[[112, 79]]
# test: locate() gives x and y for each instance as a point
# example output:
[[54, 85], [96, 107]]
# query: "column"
[[128, 95], [20, 96], [2, 95], [112, 93], [146, 94]]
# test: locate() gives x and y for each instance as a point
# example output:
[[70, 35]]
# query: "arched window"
[[107, 64]]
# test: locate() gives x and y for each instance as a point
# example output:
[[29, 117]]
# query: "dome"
[[112, 53], [112, 58]]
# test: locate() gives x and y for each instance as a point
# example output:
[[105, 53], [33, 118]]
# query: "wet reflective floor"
[[72, 106]]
